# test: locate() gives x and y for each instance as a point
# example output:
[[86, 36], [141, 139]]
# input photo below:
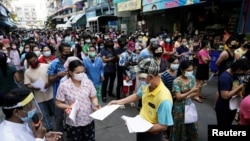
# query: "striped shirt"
[[167, 80]]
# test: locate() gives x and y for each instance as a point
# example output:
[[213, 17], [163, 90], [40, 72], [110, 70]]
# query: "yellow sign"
[[129, 5]]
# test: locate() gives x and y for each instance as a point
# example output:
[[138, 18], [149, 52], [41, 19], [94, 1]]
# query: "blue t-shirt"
[[145, 53], [109, 66], [225, 83], [55, 66], [94, 69]]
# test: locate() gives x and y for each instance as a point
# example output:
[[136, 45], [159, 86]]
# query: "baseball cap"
[[149, 66]]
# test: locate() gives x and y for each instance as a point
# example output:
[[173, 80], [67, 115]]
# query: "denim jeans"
[[46, 107], [59, 118]]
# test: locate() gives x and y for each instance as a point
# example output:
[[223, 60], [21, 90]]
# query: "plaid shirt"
[[125, 60]]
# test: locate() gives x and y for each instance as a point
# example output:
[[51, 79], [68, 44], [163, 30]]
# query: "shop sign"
[[129, 5], [152, 5]]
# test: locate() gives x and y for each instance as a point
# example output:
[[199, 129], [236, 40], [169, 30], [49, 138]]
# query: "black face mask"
[[247, 46], [66, 56], [158, 54], [234, 47]]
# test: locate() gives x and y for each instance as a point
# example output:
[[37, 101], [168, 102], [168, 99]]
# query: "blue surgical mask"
[[174, 66], [143, 83], [47, 53], [188, 73], [168, 40], [29, 116]]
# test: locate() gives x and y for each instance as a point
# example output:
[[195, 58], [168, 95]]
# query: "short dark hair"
[[240, 64], [11, 99], [172, 58], [74, 64], [63, 45], [183, 66], [29, 55]]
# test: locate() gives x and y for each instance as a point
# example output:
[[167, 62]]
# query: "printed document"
[[73, 111], [102, 113], [137, 124]]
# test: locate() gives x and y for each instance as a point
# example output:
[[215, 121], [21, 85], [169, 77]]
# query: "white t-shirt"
[[10, 131], [32, 75]]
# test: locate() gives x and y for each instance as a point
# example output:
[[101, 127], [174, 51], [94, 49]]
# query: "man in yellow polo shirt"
[[156, 101]]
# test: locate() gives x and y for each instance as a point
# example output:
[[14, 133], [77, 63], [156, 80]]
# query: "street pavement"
[[114, 128]]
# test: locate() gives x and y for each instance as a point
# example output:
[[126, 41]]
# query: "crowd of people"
[[61, 68]]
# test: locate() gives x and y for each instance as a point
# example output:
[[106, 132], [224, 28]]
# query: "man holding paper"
[[156, 102], [36, 79]]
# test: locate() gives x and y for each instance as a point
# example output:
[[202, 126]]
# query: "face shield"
[[30, 109]]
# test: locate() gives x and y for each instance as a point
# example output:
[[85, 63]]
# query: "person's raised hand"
[[53, 136]]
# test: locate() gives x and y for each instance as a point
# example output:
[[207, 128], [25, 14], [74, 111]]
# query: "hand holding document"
[[72, 114], [127, 83], [137, 124], [39, 84], [102, 113]]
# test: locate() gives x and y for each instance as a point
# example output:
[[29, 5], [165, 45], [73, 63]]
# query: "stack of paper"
[[137, 124], [102, 113]]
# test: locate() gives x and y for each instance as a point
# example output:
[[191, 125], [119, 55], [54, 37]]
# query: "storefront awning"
[[77, 18]]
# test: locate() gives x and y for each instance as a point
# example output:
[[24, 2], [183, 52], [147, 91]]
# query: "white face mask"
[[174, 66], [38, 53], [188, 73], [87, 41], [27, 50], [47, 53], [79, 76]]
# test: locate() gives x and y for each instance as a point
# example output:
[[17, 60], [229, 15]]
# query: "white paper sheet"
[[127, 83], [137, 124], [73, 112], [102, 113], [39, 84], [234, 102]]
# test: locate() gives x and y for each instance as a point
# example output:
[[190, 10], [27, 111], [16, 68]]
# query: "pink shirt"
[[245, 111], [201, 53], [69, 93]]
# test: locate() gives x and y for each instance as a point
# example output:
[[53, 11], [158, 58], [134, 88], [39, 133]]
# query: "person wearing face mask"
[[19, 107], [94, 68], [56, 72], [78, 88], [86, 45], [44, 94], [26, 49], [127, 61], [156, 101], [37, 51], [227, 57], [183, 50], [169, 49], [15, 57], [184, 88], [167, 78], [47, 55], [229, 87], [109, 59], [170, 74], [157, 55]]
